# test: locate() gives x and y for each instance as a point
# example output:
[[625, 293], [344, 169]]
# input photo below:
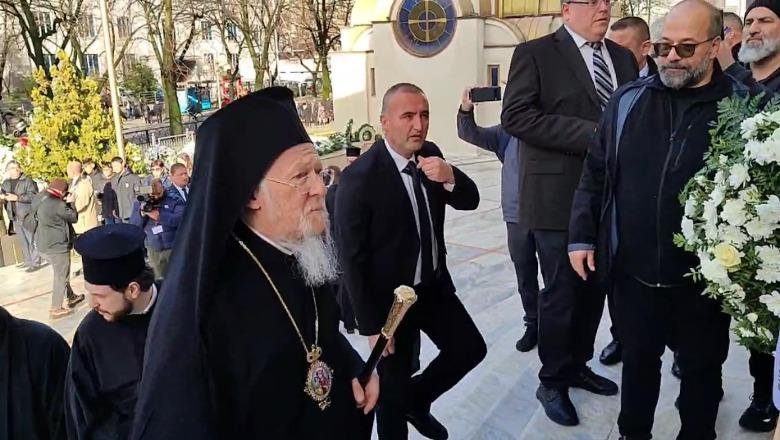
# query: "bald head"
[[700, 13], [74, 169]]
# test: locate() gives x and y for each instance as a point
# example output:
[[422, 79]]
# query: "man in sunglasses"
[[626, 212], [557, 89]]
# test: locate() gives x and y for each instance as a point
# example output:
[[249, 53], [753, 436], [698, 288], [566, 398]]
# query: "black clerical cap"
[[112, 254]]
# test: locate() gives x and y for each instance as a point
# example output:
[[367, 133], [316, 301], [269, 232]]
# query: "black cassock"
[[33, 360], [105, 367], [257, 363]]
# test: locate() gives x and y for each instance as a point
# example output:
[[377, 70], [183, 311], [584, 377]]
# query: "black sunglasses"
[[684, 50]]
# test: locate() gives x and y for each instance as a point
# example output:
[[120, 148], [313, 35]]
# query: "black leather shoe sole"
[[558, 410]]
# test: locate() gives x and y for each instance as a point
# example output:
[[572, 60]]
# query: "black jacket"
[[377, 235], [551, 106], [744, 75], [629, 192], [26, 189], [55, 232]]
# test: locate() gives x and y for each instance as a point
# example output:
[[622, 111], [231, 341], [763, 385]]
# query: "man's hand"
[[154, 215], [366, 398], [69, 198], [436, 169], [389, 348], [725, 56], [11, 197], [578, 259], [465, 104]]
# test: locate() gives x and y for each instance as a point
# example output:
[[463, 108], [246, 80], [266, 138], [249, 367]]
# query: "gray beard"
[[691, 76], [767, 48], [316, 258]]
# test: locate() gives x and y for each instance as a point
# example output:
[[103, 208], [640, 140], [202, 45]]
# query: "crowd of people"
[[215, 312]]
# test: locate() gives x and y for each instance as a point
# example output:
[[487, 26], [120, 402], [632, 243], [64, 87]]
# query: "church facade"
[[443, 46]]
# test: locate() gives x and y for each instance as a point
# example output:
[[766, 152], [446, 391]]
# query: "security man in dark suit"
[[633, 33], [390, 231], [557, 87]]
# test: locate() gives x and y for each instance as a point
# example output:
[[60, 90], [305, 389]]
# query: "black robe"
[[33, 360], [256, 362], [103, 375]]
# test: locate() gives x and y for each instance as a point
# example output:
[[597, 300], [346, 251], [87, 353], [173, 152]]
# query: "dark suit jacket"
[[377, 235], [551, 105]]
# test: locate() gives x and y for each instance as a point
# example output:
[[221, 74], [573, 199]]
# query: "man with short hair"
[[146, 215], [633, 33], [108, 347], [105, 193], [390, 210], [172, 210], [125, 184], [17, 191], [158, 171], [557, 88], [245, 341], [657, 303], [90, 168], [84, 199], [35, 359], [732, 32]]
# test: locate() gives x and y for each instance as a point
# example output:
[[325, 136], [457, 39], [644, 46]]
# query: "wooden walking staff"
[[404, 298]]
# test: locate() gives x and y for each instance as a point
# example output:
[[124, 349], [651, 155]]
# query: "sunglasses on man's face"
[[684, 50]]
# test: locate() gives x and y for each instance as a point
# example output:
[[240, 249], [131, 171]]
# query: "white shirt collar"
[[399, 160], [578, 39], [279, 247], [151, 302]]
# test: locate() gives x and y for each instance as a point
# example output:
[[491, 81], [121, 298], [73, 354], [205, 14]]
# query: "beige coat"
[[85, 203]]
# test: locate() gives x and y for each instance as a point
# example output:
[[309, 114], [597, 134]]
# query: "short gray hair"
[[399, 88], [715, 16]]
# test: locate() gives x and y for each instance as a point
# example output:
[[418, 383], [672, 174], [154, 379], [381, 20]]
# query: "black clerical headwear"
[[112, 254], [233, 151]]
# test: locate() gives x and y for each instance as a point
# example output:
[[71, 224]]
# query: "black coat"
[[377, 235], [26, 189], [638, 181], [551, 106], [33, 360]]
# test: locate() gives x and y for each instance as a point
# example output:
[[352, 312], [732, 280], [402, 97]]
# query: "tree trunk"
[[169, 70], [327, 88]]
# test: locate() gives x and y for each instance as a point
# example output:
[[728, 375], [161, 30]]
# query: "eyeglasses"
[[684, 50], [590, 3], [303, 184]]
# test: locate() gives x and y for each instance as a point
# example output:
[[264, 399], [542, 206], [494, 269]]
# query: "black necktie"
[[186, 193], [426, 243]]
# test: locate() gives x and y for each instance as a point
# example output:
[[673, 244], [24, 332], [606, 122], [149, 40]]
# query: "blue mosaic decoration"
[[425, 27]]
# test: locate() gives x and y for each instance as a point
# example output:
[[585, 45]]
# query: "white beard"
[[767, 48], [316, 256]]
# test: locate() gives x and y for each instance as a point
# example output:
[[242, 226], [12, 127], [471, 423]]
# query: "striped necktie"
[[602, 79]]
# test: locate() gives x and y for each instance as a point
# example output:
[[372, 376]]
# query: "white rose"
[[690, 207], [770, 211], [687, 229], [732, 234], [728, 256], [752, 317], [734, 212], [759, 229], [738, 175], [713, 271], [772, 302]]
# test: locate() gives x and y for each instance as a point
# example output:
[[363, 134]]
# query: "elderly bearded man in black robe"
[[245, 341]]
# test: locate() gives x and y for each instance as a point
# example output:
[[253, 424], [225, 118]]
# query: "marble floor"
[[496, 401]]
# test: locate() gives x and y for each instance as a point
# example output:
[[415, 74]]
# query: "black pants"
[[522, 250], [761, 368], [461, 348], [613, 315], [569, 312], [345, 305], [650, 318]]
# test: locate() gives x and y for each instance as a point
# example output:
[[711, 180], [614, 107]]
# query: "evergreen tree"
[[68, 122]]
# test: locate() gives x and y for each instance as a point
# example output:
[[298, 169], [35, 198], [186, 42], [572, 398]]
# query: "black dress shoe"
[[760, 416], [612, 353], [428, 426], [557, 405], [590, 381], [676, 368], [528, 341]]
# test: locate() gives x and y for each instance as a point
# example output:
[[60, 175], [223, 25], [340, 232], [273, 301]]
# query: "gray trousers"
[[159, 261], [60, 265], [30, 253]]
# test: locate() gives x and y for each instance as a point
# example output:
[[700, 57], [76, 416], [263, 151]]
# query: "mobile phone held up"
[[485, 94]]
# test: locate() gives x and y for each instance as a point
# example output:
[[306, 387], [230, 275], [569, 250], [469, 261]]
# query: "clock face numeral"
[[425, 27]]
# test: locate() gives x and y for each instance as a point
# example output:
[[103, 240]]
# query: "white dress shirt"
[[645, 70], [181, 191], [401, 162], [587, 54]]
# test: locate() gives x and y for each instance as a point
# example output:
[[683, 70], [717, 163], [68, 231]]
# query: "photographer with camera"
[[146, 215]]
